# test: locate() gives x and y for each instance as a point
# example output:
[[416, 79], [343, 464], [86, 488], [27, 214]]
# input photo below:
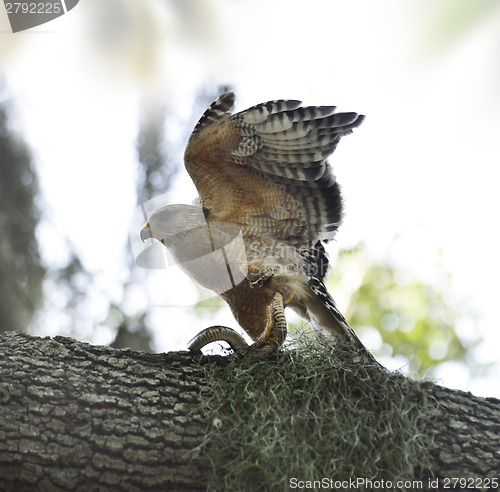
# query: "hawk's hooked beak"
[[146, 232]]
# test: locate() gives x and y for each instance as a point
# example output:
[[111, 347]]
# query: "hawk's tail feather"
[[326, 314], [316, 260]]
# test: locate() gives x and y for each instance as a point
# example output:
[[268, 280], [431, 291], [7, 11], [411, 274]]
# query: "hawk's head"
[[211, 253], [167, 223]]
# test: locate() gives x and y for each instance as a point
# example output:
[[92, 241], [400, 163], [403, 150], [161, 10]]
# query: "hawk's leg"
[[255, 284], [275, 333], [271, 338]]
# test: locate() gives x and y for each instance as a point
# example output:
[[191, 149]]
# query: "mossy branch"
[[75, 415]]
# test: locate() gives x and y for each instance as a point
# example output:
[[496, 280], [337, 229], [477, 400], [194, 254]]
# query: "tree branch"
[[75, 416]]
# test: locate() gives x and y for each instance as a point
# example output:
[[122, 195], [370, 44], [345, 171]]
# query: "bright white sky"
[[419, 177]]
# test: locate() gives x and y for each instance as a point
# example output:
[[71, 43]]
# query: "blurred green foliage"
[[451, 20], [415, 320]]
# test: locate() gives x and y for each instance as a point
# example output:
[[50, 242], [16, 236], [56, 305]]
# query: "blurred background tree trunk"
[[22, 274]]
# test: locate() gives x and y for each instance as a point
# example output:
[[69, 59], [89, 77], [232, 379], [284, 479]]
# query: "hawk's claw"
[[219, 333], [256, 284], [272, 338], [237, 343]]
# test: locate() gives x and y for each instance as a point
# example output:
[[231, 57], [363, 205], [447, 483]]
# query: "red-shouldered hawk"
[[262, 174]]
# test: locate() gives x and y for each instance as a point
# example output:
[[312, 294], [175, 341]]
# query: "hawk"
[[262, 175]]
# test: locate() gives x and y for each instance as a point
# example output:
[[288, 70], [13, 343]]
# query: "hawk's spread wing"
[[266, 168]]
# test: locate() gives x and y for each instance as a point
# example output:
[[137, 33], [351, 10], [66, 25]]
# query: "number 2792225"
[[33, 8]]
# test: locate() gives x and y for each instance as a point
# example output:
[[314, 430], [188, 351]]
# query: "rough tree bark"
[[80, 417]]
